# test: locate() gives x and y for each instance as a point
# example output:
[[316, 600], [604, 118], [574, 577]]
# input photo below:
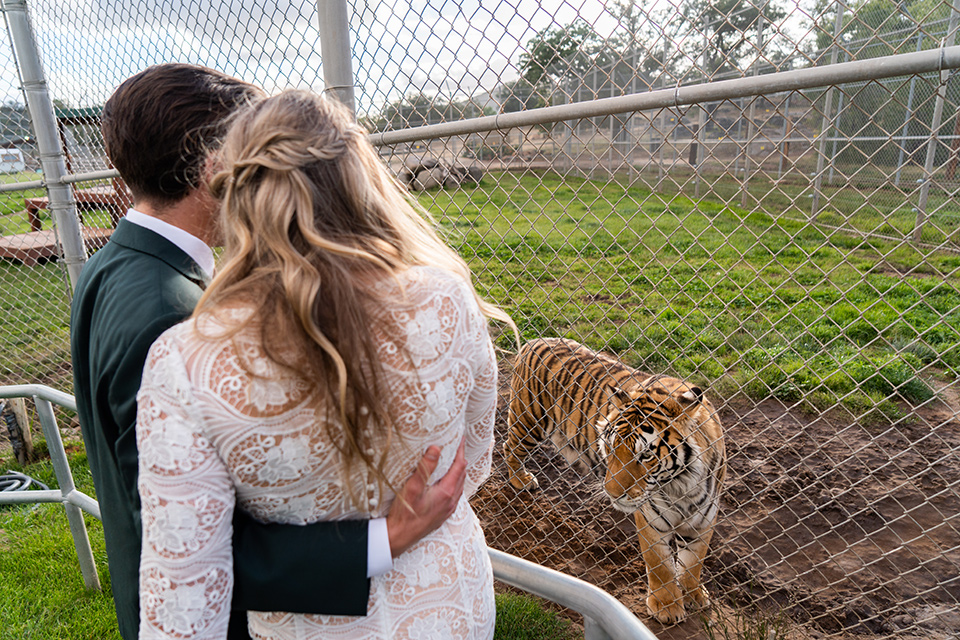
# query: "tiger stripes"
[[655, 440]]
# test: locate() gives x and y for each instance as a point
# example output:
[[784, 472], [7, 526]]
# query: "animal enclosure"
[[756, 196]]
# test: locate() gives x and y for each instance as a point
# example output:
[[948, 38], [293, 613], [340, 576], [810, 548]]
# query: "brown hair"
[[310, 216], [159, 125]]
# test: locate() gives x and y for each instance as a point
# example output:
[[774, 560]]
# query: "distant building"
[[11, 161]]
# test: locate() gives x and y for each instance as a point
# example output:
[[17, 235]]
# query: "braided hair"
[[310, 218]]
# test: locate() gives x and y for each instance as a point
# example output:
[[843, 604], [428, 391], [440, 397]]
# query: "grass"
[[11, 202], [36, 329], [755, 301], [42, 596], [744, 624], [740, 300], [752, 302], [35, 301], [13, 218], [522, 617], [41, 590]]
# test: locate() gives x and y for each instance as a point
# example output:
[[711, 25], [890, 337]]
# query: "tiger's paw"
[[665, 609], [698, 598], [524, 481]]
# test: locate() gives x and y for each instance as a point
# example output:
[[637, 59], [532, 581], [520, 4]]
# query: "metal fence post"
[[63, 209], [751, 126], [663, 112], [700, 136], [935, 128], [908, 110], [335, 50], [827, 118], [784, 142], [741, 147], [837, 129], [73, 500]]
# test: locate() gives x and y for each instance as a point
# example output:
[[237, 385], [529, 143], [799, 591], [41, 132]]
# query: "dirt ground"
[[835, 529]]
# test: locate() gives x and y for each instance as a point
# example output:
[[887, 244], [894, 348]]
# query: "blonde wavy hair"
[[310, 216]]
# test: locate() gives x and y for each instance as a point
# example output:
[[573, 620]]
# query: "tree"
[[870, 28], [558, 52], [518, 95], [14, 124], [640, 38], [637, 29], [413, 110], [419, 109], [876, 110], [730, 27]]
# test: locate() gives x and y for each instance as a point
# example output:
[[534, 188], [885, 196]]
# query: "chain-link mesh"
[[760, 247], [794, 255], [34, 300]]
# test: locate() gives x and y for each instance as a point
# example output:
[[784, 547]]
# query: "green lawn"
[[41, 590], [742, 301], [766, 304], [35, 333], [762, 304]]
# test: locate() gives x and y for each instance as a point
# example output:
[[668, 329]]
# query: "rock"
[[422, 172], [467, 175], [429, 179]]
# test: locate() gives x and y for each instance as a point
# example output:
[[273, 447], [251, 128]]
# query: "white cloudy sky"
[[448, 46]]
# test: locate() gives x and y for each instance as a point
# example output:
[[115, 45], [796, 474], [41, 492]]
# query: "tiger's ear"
[[693, 394], [618, 395]]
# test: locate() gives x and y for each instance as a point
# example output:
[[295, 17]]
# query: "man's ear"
[[211, 165]]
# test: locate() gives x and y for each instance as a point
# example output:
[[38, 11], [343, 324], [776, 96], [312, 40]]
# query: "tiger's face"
[[645, 441]]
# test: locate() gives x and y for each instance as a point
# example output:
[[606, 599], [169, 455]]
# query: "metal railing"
[[73, 500]]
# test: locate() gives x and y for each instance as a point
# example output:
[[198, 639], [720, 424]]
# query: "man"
[[158, 128]]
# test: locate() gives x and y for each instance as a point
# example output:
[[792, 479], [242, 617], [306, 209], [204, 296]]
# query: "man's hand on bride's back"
[[421, 508]]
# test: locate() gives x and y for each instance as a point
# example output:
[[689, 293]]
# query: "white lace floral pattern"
[[212, 436]]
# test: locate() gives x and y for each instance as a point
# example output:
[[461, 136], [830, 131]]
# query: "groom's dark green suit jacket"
[[130, 292]]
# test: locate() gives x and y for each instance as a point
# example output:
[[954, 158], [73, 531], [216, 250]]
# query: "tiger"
[[655, 441]]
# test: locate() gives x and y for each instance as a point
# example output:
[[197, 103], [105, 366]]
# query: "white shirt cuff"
[[379, 558]]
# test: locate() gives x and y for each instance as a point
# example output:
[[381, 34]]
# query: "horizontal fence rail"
[[604, 617], [796, 80]]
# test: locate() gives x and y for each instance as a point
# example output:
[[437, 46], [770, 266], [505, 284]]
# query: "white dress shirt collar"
[[186, 242]]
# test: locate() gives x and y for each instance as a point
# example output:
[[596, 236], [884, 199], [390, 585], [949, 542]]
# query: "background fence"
[[792, 248]]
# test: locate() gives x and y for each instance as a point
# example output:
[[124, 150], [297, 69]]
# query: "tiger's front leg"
[[520, 440], [664, 597], [691, 554]]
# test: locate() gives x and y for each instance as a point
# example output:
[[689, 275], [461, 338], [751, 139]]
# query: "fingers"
[[452, 481], [416, 485], [428, 464], [426, 506]]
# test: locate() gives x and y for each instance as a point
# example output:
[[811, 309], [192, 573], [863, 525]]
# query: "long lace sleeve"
[[187, 500], [482, 401]]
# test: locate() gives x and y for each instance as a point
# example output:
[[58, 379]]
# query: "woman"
[[339, 339]]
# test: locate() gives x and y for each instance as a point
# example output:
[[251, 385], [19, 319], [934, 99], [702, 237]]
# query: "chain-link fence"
[[753, 196]]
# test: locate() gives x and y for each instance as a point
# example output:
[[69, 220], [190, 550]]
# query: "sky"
[[455, 48]]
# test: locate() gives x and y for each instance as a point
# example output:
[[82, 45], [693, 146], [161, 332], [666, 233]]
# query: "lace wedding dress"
[[212, 437]]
